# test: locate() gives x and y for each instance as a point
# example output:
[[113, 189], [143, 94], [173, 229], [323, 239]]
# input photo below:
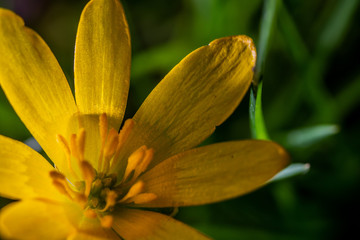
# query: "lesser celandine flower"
[[104, 180]]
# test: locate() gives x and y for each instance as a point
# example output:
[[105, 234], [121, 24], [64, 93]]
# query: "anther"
[[57, 175], [149, 153], [125, 132], [81, 144], [74, 147], [111, 143], [89, 174], [62, 141], [110, 200], [110, 148], [89, 213], [81, 199], [59, 185], [142, 198], [106, 221], [135, 189], [122, 137], [133, 161], [63, 187]]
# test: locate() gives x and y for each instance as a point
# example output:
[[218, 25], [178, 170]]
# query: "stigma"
[[100, 190]]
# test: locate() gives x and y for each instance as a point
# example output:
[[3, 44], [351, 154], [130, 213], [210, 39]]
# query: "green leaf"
[[257, 125]]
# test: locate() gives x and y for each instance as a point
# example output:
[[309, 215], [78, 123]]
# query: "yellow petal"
[[133, 224], [34, 83], [195, 97], [24, 173], [214, 173], [31, 219], [102, 60]]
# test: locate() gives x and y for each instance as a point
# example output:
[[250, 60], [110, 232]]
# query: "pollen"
[[100, 190]]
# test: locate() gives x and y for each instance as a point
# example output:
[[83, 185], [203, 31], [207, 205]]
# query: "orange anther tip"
[[106, 221], [89, 213], [56, 175]]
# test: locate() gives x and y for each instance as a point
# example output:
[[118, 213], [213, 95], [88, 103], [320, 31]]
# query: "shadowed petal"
[[133, 224], [214, 173]]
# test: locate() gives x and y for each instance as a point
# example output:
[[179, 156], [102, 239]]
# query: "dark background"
[[311, 96]]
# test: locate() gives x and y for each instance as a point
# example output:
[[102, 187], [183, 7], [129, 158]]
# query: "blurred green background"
[[311, 97]]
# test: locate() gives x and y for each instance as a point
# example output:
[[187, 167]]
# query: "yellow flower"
[[104, 180]]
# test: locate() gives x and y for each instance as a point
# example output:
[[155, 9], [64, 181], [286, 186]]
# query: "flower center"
[[100, 190]]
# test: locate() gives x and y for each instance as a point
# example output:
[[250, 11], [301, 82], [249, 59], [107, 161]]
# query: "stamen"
[[89, 174], [110, 147], [149, 153], [135, 189], [81, 143], [110, 200], [122, 137], [134, 159], [111, 143], [125, 132], [98, 193], [89, 213], [55, 175], [61, 183], [62, 141], [74, 147], [106, 221], [81, 199], [142, 198], [103, 128], [61, 188]]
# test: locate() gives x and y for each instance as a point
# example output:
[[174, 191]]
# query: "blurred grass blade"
[[348, 98], [292, 170], [266, 28], [292, 37], [336, 27], [305, 137], [257, 125]]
